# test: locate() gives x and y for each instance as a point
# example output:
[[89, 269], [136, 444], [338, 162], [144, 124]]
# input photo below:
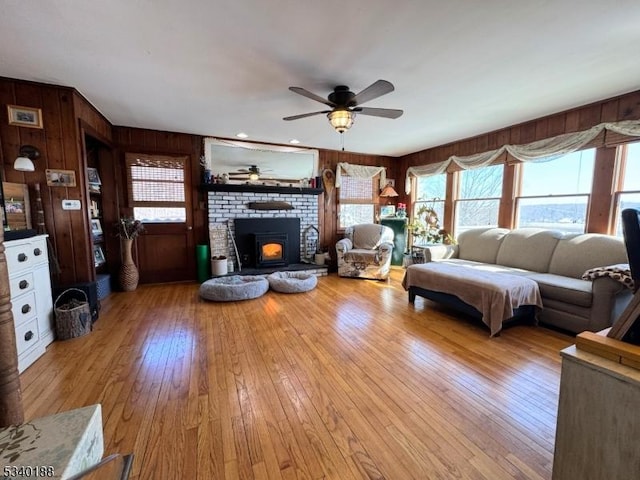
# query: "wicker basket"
[[73, 319]]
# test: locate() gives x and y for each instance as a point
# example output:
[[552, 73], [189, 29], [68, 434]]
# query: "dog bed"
[[234, 288], [292, 282]]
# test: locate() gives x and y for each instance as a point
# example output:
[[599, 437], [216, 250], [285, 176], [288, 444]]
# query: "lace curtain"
[[360, 171], [547, 148]]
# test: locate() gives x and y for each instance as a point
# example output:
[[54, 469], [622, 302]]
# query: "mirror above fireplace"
[[276, 164]]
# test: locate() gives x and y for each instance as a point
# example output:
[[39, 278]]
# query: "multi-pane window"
[[628, 190], [430, 194], [554, 193], [357, 200], [478, 201], [156, 188]]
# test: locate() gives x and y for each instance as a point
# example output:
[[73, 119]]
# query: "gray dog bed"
[[292, 282], [233, 288]]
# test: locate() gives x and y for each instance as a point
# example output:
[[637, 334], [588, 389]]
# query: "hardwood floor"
[[348, 381]]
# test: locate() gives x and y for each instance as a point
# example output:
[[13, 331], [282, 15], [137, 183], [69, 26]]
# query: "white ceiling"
[[460, 68]]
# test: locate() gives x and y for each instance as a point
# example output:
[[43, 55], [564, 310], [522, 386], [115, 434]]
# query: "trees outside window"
[[478, 201]]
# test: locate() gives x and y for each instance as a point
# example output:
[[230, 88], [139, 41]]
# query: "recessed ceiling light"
[[294, 140], [242, 135]]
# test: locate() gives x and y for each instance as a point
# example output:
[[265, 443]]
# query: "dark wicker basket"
[[73, 319]]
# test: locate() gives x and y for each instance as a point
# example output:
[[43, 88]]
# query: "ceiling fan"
[[345, 104], [252, 173]]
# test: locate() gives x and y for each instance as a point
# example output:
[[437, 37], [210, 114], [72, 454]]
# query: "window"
[[628, 191], [554, 193], [478, 199], [431, 192], [357, 199], [156, 188]]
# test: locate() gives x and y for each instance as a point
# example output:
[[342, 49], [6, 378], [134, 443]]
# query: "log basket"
[[73, 318]]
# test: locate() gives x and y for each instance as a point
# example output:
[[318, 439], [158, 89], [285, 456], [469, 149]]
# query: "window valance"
[[360, 171], [549, 147]]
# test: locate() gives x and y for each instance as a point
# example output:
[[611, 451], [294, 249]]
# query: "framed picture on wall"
[[24, 116], [60, 178]]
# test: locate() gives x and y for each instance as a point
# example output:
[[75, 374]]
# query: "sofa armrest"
[[610, 298], [385, 250], [439, 252], [342, 247]]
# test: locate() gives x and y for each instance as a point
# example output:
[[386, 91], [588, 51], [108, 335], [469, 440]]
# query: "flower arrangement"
[[426, 226], [129, 228]]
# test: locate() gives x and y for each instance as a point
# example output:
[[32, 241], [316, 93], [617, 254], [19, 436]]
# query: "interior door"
[[159, 189]]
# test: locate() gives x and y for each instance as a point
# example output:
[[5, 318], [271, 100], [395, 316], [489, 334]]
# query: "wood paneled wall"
[[624, 107], [60, 148]]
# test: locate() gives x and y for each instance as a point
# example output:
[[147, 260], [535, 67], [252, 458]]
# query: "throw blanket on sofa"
[[494, 294]]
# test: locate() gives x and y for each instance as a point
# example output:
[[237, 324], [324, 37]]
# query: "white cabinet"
[[31, 302]]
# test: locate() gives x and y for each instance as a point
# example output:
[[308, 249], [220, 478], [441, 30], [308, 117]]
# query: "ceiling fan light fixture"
[[341, 119], [254, 177]]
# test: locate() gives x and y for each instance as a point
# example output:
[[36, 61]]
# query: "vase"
[[128, 275]]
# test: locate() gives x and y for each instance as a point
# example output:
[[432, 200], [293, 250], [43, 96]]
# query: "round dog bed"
[[292, 282], [233, 288]]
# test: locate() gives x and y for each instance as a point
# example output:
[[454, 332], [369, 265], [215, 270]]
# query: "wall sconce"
[[24, 162]]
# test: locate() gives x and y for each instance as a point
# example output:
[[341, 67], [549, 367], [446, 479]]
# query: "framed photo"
[[61, 178], [387, 210], [98, 256], [24, 116], [96, 228], [92, 175]]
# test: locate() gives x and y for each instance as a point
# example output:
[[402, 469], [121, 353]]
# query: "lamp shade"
[[26, 155], [388, 191], [341, 119], [24, 164]]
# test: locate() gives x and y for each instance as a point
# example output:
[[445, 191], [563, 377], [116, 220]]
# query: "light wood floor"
[[348, 381]]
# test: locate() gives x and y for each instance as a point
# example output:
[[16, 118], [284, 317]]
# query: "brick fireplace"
[[225, 206]]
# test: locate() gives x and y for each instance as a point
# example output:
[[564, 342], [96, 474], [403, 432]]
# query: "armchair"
[[365, 252]]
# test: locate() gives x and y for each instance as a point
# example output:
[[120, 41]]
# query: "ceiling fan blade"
[[379, 112], [303, 115], [312, 96], [375, 90]]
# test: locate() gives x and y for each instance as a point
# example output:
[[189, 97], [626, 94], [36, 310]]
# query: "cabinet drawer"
[[27, 336], [38, 249], [21, 284], [19, 257], [23, 307]]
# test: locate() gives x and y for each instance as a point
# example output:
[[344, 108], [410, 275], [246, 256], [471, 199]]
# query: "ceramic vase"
[[128, 275]]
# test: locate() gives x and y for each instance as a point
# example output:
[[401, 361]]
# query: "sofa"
[[365, 251], [556, 262]]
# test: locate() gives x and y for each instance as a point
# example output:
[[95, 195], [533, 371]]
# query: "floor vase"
[[128, 275]]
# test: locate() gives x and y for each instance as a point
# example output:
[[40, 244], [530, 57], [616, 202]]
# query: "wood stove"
[[270, 249], [271, 232]]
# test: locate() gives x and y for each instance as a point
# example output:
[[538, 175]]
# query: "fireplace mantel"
[[232, 187]]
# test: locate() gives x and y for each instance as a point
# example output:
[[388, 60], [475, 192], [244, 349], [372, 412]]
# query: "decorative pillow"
[[619, 272]]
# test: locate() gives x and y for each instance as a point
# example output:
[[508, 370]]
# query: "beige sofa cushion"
[[528, 249], [565, 289], [576, 254], [480, 244]]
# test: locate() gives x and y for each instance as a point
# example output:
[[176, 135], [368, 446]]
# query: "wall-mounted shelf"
[[232, 187]]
